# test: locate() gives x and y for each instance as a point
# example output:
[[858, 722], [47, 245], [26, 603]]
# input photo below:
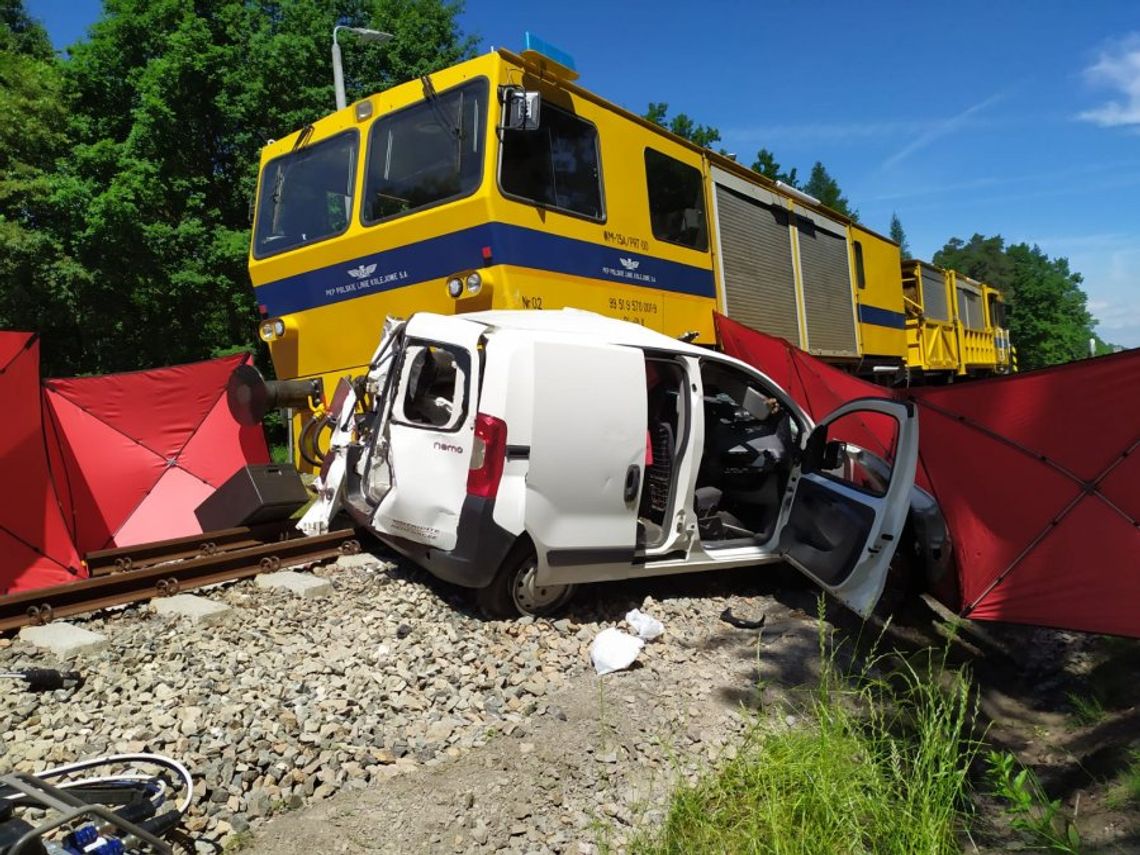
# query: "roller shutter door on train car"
[[970, 308], [756, 253], [934, 295], [829, 304]]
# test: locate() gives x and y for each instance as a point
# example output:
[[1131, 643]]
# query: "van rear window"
[[433, 386]]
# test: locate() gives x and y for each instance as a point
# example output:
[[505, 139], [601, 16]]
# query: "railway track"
[[164, 568], [103, 562]]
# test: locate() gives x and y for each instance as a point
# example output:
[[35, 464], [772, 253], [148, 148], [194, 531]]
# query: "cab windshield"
[[427, 153], [306, 195]]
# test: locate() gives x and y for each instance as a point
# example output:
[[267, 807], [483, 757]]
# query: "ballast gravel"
[[291, 700]]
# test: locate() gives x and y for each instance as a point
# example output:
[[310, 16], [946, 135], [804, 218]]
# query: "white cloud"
[[1117, 67]]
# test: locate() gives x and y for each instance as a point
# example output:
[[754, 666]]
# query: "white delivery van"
[[524, 453]]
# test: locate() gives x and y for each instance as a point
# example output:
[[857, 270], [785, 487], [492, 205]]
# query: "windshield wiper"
[[303, 137], [432, 97]]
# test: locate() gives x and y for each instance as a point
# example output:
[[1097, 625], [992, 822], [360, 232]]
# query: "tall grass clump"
[[877, 763], [1127, 788]]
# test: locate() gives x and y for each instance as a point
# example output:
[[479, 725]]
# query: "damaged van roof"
[[582, 324]]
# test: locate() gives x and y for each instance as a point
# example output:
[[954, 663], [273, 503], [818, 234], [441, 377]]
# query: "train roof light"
[[549, 58]]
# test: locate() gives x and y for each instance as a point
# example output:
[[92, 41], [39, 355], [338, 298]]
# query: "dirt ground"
[[596, 763]]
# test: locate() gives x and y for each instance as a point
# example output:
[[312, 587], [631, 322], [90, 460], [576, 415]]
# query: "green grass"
[[1087, 709], [1127, 788], [879, 765]]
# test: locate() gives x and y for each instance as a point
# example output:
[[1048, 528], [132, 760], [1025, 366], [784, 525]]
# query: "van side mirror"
[[521, 108], [834, 455]]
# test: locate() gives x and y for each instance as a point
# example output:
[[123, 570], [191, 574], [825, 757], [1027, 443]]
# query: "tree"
[[40, 279], [898, 235], [172, 102], [1049, 321], [682, 125], [767, 166], [982, 258], [825, 188], [21, 33]]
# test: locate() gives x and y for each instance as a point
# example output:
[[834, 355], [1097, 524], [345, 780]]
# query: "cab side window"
[[676, 201], [432, 387], [556, 166]]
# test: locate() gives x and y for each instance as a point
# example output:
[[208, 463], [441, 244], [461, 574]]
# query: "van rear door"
[[587, 459], [429, 425]]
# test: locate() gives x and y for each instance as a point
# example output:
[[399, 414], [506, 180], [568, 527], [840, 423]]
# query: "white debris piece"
[[646, 626], [614, 650]]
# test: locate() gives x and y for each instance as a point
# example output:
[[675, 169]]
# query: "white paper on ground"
[[613, 650], [646, 627]]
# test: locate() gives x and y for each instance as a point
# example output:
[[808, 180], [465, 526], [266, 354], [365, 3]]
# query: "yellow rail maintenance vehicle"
[[501, 183], [955, 326]]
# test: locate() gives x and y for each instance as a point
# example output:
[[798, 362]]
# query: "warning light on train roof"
[[551, 59]]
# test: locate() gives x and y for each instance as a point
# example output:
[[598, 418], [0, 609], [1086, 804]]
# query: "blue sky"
[[1000, 117]]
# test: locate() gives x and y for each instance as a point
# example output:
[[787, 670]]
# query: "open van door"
[[428, 428], [843, 520], [587, 460]]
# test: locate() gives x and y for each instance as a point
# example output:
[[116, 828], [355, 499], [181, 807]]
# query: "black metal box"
[[254, 494]]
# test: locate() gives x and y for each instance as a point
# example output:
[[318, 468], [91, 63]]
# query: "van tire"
[[510, 595]]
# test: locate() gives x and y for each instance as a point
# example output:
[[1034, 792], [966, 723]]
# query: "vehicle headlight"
[[455, 287], [474, 283], [271, 330]]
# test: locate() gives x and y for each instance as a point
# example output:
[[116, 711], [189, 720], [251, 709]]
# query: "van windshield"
[[427, 153], [306, 195]]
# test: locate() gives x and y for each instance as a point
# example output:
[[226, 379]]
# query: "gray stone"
[[64, 639], [480, 833], [300, 584], [439, 731], [195, 609], [360, 560]]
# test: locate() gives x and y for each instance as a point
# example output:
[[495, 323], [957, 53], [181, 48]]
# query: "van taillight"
[[487, 456]]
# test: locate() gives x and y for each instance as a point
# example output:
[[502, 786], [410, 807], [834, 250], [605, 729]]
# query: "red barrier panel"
[[35, 545], [134, 454], [1036, 475]]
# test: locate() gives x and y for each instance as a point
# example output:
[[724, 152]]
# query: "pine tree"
[[898, 235], [682, 125], [767, 166], [825, 188]]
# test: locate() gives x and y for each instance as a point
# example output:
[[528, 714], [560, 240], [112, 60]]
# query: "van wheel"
[[512, 593]]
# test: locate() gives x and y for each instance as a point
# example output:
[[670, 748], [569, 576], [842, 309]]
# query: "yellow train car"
[[501, 183], [955, 326], [882, 310]]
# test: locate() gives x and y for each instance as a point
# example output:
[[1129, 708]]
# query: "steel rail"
[[104, 561], [99, 592]]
